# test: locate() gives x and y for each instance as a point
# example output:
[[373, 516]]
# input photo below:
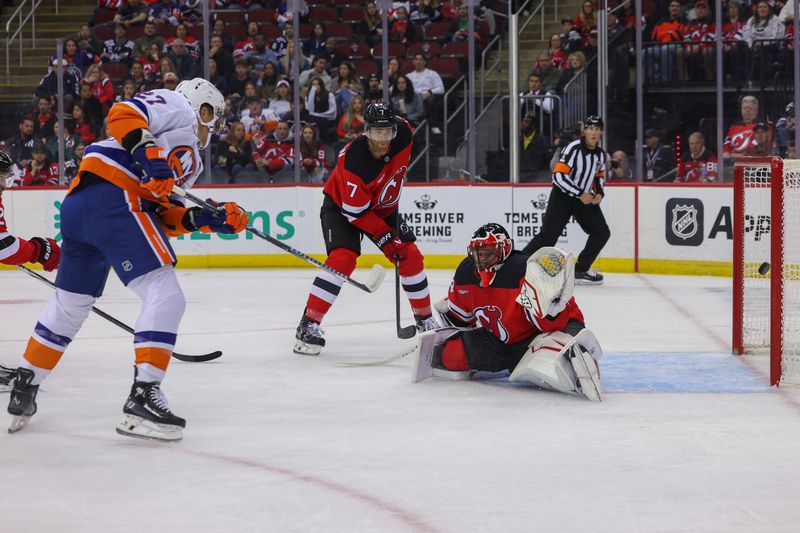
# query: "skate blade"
[[587, 282], [18, 423], [138, 427], [302, 348]]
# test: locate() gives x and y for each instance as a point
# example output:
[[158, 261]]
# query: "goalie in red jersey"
[[506, 311], [16, 251], [361, 198]]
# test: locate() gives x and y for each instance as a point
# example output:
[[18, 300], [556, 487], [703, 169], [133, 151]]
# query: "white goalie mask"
[[198, 92]]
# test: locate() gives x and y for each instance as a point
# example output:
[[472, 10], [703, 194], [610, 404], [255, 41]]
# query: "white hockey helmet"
[[198, 92]]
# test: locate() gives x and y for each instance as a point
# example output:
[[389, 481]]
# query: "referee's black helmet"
[[593, 120]]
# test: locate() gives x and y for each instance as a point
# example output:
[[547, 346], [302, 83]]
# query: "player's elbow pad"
[[138, 138]]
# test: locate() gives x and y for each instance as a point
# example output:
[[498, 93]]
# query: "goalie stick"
[[180, 357], [371, 285], [379, 362]]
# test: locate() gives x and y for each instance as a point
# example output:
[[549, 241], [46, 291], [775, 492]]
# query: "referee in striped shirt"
[[577, 191]]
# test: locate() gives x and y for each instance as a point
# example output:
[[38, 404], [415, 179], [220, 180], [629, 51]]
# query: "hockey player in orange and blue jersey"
[[118, 214]]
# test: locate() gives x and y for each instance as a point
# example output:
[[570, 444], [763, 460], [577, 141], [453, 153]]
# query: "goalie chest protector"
[[495, 307]]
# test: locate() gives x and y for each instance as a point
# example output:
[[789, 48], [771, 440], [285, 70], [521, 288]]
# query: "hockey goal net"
[[766, 303]]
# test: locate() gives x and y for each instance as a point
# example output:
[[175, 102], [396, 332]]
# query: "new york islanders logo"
[[490, 317], [183, 163], [390, 194]]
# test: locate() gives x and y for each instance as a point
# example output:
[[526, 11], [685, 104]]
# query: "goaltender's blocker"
[[506, 311]]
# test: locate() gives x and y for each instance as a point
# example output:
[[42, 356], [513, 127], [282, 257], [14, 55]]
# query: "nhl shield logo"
[[425, 202], [684, 222]]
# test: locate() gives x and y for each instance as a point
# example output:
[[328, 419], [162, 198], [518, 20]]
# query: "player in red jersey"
[[361, 198], [16, 251], [512, 312]]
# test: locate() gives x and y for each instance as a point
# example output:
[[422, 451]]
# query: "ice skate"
[[427, 324], [589, 277], [22, 403], [6, 377], [146, 415], [309, 337]]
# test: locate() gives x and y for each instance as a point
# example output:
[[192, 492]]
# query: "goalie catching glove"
[[227, 217], [549, 282]]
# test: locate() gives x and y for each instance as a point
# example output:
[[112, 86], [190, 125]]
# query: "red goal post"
[[766, 307]]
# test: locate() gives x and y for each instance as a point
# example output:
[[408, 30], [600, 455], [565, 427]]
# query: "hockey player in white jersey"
[[118, 214]]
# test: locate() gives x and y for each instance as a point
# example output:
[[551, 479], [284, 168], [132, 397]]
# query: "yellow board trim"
[[445, 262]]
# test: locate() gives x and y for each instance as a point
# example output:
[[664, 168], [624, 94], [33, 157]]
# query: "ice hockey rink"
[[688, 438]]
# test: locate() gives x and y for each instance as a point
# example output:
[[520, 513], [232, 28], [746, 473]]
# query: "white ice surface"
[[280, 442]]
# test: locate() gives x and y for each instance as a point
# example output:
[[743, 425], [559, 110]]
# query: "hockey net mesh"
[[791, 272], [758, 312]]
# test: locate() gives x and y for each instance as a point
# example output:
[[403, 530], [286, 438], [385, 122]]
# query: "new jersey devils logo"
[[183, 163], [390, 194], [490, 318]]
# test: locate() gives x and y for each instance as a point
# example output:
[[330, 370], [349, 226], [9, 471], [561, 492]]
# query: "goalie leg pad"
[[558, 361], [427, 357]]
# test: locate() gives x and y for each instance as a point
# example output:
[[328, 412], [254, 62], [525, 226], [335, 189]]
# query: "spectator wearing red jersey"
[[401, 29], [740, 134], [698, 36], [102, 86], [701, 166], [558, 57], [40, 171], [586, 20], [274, 153], [81, 127], [182, 34], [248, 44]]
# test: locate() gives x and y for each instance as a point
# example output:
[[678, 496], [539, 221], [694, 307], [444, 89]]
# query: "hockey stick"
[[180, 357], [371, 285], [379, 362], [408, 331], [402, 332]]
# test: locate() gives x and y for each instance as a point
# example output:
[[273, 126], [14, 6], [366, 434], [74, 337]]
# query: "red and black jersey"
[[740, 137], [46, 175], [495, 307], [13, 251], [703, 168], [368, 189]]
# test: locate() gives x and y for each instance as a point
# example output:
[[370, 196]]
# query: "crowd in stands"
[[756, 37], [133, 46]]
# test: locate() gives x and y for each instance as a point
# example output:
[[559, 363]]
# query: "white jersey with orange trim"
[[173, 123]]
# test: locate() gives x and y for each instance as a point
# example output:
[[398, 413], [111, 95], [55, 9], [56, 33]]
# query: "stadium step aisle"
[[22, 83]]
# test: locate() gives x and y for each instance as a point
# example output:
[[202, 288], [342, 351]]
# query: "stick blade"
[[197, 358], [407, 332], [376, 277]]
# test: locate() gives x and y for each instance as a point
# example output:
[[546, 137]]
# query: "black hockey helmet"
[[593, 120], [380, 122], [489, 246], [5, 161]]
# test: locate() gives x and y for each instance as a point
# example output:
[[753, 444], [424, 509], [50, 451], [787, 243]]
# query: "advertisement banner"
[[676, 225], [686, 223]]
